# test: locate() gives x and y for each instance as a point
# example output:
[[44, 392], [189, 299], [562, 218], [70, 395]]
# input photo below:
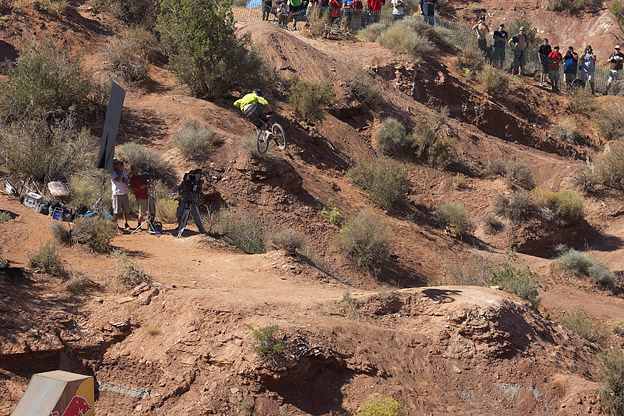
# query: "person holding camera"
[[570, 65], [588, 67], [119, 181], [616, 61]]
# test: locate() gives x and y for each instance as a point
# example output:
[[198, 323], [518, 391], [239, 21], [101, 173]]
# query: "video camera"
[[191, 187]]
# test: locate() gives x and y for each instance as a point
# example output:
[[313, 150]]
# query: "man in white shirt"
[[397, 9], [119, 181]]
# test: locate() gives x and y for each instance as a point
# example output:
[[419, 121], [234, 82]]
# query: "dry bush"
[[53, 7], [128, 274], [573, 6], [128, 55], [365, 239], [166, 210], [581, 323], [144, 159], [287, 239], [249, 143], [432, 147], [61, 233], [475, 271], [391, 137], [458, 181], [194, 141], [95, 232], [401, 38], [454, 215], [494, 82], [362, 89], [519, 174], [609, 167], [152, 330], [580, 264], [611, 373], [244, 231], [517, 208], [384, 179], [310, 99], [88, 186], [583, 102], [496, 167], [471, 59], [372, 32], [609, 119], [317, 24], [47, 260], [492, 224], [79, 283], [134, 12], [567, 131], [4, 216], [564, 207]]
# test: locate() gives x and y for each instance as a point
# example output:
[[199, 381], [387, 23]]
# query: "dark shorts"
[[545, 68], [256, 114]]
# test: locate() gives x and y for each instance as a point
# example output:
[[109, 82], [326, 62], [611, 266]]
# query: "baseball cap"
[[617, 46], [521, 27]]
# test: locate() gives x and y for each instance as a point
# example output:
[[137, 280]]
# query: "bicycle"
[[271, 131]]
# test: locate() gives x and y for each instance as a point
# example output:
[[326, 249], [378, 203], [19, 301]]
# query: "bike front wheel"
[[262, 142], [279, 136]]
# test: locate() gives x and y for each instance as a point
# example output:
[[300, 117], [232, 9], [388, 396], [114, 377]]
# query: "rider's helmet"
[[257, 91]]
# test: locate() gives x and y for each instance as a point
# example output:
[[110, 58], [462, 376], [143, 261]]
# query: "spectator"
[[570, 66], [542, 53], [616, 60], [397, 9], [295, 10], [282, 14], [267, 6], [500, 43], [482, 32], [588, 67], [324, 6], [519, 43], [553, 73], [138, 184], [374, 7], [427, 8], [335, 14], [347, 16], [119, 182], [309, 9], [357, 14]]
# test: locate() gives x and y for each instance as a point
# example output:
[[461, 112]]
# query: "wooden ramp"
[[57, 393]]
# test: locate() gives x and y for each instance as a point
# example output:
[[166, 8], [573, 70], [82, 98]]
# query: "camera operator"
[[588, 67], [119, 181], [616, 60], [139, 186]]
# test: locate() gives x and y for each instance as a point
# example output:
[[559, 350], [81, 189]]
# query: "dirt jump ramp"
[[57, 393]]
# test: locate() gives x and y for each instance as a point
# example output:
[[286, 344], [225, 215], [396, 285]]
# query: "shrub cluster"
[[364, 91], [611, 373], [372, 32], [143, 159], [581, 323], [517, 208], [95, 232], [242, 230], [134, 12], [519, 174], [365, 239], [454, 215], [128, 55], [128, 274], [607, 170], [401, 37], [494, 82], [579, 264], [47, 260], [381, 407], [194, 141], [287, 239], [517, 281], [573, 6], [309, 99], [564, 207], [384, 179]]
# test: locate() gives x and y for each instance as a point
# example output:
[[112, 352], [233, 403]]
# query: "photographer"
[[119, 181], [616, 60], [588, 67], [139, 185]]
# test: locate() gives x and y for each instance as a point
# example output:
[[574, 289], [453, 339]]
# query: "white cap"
[[617, 46]]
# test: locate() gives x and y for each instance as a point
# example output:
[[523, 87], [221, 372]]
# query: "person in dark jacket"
[[427, 8], [570, 66]]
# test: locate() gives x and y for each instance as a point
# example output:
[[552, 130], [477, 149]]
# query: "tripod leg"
[[183, 220], [198, 219]]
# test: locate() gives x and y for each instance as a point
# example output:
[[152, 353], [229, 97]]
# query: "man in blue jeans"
[[427, 8]]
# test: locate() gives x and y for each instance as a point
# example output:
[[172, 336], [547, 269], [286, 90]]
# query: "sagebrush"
[[384, 179], [128, 274], [47, 260], [581, 323], [611, 373], [454, 215], [309, 99], [195, 141], [365, 239], [95, 232]]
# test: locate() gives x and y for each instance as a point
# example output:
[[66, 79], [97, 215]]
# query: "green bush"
[[519, 174], [310, 99], [453, 215], [134, 12], [401, 38], [46, 81], [611, 373], [166, 210], [381, 407], [391, 137], [581, 323], [517, 281], [365, 240], [194, 141], [573, 6], [565, 207], [494, 82], [364, 91], [128, 274], [384, 179], [517, 208], [580, 264], [267, 346], [332, 215], [47, 260], [242, 230], [200, 40], [287, 239], [609, 167], [128, 55], [31, 148], [143, 159], [372, 32], [94, 232]]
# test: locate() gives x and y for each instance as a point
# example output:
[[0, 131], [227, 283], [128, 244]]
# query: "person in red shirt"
[[335, 6], [374, 7], [356, 21], [553, 68], [138, 184]]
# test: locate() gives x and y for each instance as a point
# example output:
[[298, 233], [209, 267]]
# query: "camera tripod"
[[190, 208], [151, 216]]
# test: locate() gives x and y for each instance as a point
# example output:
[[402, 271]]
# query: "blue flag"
[[254, 3]]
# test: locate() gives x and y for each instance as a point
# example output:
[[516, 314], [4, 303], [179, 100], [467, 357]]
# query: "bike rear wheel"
[[279, 136], [262, 142]]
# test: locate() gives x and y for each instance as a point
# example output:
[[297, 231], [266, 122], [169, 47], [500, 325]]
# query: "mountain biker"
[[255, 107]]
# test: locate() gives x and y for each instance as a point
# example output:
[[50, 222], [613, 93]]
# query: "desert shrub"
[[54, 7], [401, 38], [611, 373], [317, 23], [427, 31], [143, 159], [4, 216], [609, 167], [609, 120], [47, 80], [431, 147], [566, 130], [47, 260], [384, 179], [32, 148], [458, 181], [267, 345], [166, 210], [364, 91], [494, 82], [61, 233], [474, 271], [242, 230], [194, 140], [586, 179], [128, 274], [580, 264], [518, 207], [573, 6], [564, 207], [517, 281], [365, 239], [616, 9], [381, 407], [471, 59], [492, 224], [87, 186], [200, 40], [372, 32], [454, 215], [309, 99], [287, 239], [133, 12], [391, 137], [332, 215], [496, 167], [79, 283], [583, 102], [519, 174], [128, 55], [94, 232], [581, 323]]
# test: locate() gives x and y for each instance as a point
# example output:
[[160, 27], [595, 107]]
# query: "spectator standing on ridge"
[[588, 67], [357, 15], [295, 9], [519, 43], [616, 60], [542, 53], [121, 202], [374, 7], [570, 66], [282, 14], [347, 16], [267, 6], [427, 8], [482, 31], [397, 10], [553, 73], [500, 43], [335, 14]]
